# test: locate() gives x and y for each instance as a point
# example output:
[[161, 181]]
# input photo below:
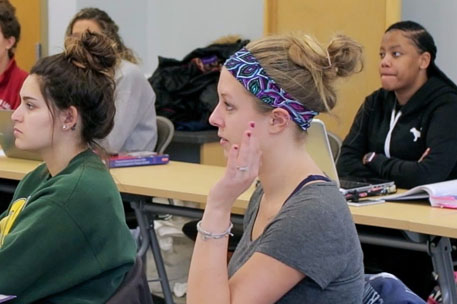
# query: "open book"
[[442, 194]]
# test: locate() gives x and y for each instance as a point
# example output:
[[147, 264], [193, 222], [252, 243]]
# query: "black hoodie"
[[428, 120]]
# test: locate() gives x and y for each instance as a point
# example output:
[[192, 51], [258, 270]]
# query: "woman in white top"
[[135, 126]]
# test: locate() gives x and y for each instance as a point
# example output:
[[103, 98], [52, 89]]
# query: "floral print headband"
[[248, 71]]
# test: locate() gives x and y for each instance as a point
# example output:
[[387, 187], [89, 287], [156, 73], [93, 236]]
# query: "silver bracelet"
[[209, 235]]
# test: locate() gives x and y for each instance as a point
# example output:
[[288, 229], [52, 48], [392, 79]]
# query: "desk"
[[176, 180], [409, 216], [431, 227]]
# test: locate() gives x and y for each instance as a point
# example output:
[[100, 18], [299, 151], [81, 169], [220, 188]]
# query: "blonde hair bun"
[[306, 69]]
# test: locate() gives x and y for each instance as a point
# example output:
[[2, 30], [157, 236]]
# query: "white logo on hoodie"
[[416, 133]]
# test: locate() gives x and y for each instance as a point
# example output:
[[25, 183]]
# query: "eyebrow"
[[29, 98], [397, 46], [224, 94]]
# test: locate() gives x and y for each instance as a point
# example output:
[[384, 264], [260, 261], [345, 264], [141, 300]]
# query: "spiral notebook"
[[353, 188]]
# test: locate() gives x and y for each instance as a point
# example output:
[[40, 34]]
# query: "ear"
[[279, 120], [424, 60], [10, 42], [69, 118]]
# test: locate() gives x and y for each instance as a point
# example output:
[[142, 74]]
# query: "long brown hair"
[[108, 27]]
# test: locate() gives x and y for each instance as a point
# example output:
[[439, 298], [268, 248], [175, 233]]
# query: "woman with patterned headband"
[[299, 243]]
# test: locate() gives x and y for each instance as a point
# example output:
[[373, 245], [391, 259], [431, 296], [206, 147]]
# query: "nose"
[[385, 61], [17, 114], [215, 119]]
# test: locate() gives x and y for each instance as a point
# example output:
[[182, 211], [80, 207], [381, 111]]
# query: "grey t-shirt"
[[313, 233]]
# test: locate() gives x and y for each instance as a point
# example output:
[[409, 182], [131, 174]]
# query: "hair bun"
[[305, 51], [306, 69], [92, 51], [345, 55]]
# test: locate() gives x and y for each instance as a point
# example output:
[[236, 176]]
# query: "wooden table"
[[429, 228], [176, 180]]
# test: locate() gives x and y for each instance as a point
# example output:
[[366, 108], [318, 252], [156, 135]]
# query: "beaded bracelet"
[[209, 235]]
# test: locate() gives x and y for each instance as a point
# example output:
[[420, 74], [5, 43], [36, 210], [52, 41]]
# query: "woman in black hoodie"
[[407, 130]]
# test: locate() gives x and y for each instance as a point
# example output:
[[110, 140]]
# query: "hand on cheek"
[[243, 164]]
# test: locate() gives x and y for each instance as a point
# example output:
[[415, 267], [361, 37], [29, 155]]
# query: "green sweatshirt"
[[64, 238]]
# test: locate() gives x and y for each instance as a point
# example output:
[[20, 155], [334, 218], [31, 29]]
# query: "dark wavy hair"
[[424, 42], [108, 27], [82, 76], [9, 25]]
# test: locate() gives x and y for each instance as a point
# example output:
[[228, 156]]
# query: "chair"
[[134, 289], [165, 132], [335, 144]]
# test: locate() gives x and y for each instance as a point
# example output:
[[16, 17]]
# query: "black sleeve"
[[355, 145], [441, 138]]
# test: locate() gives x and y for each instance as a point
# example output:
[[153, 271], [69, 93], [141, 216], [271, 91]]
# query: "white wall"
[[59, 15], [438, 17], [169, 28]]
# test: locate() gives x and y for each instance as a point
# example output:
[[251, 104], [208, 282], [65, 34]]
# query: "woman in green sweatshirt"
[[63, 238]]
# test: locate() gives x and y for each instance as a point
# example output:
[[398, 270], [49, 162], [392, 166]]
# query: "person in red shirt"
[[11, 76]]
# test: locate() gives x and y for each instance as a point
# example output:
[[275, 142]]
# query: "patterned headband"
[[245, 67]]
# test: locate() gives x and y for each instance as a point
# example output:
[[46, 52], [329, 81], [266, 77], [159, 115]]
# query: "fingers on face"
[[247, 154], [233, 156], [249, 146]]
